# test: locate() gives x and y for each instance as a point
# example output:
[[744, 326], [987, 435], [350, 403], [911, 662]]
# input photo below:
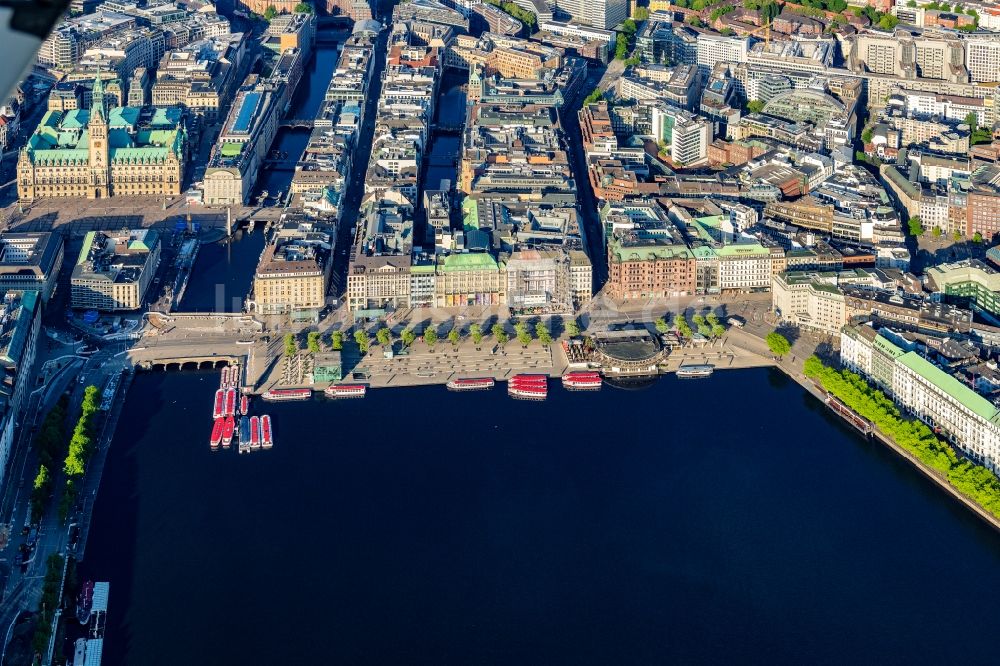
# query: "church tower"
[[100, 167]]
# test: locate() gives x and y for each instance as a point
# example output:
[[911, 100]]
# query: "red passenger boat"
[[220, 404], [228, 429], [216, 433], [265, 432], [254, 432]]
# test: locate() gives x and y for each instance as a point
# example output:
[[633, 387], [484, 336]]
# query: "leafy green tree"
[[572, 328], [629, 27], [956, 236], [430, 336], [476, 333], [972, 120], [977, 238], [596, 96], [916, 226], [362, 340], [698, 320], [384, 336], [454, 337], [936, 231], [695, 20], [542, 333], [312, 342], [270, 12], [755, 106], [866, 135], [408, 337], [291, 347], [718, 330], [641, 13], [498, 331], [336, 341], [520, 327], [303, 8], [888, 21], [680, 323], [662, 326], [621, 47], [778, 344], [42, 478], [524, 338]]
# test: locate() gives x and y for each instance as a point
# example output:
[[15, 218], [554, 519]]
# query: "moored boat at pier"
[[695, 371], [265, 432], [278, 395], [218, 410], [244, 434], [346, 391], [582, 380], [228, 429], [471, 384], [528, 392], [217, 428], [254, 432]]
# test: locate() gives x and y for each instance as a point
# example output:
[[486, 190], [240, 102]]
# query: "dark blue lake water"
[[701, 521]]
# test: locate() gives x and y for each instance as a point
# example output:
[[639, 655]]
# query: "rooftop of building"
[[17, 311], [28, 253], [115, 256], [955, 389]]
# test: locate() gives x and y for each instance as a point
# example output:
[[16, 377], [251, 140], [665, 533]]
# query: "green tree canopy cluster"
[[596, 96], [430, 336], [766, 9], [408, 337], [916, 226], [476, 333], [303, 8], [572, 328], [454, 337], [522, 333], [719, 12], [716, 328], [974, 481], [778, 344], [81, 443], [291, 346], [41, 491], [755, 106], [270, 12], [312, 342], [50, 601], [50, 446], [336, 341], [384, 336], [362, 340], [499, 334], [542, 333], [641, 13], [524, 16], [682, 327]]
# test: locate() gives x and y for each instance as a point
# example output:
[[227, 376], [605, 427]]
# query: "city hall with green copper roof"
[[104, 152]]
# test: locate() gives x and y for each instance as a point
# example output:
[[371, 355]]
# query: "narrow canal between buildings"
[[224, 270]]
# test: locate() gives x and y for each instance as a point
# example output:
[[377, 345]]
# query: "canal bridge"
[[298, 123]]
